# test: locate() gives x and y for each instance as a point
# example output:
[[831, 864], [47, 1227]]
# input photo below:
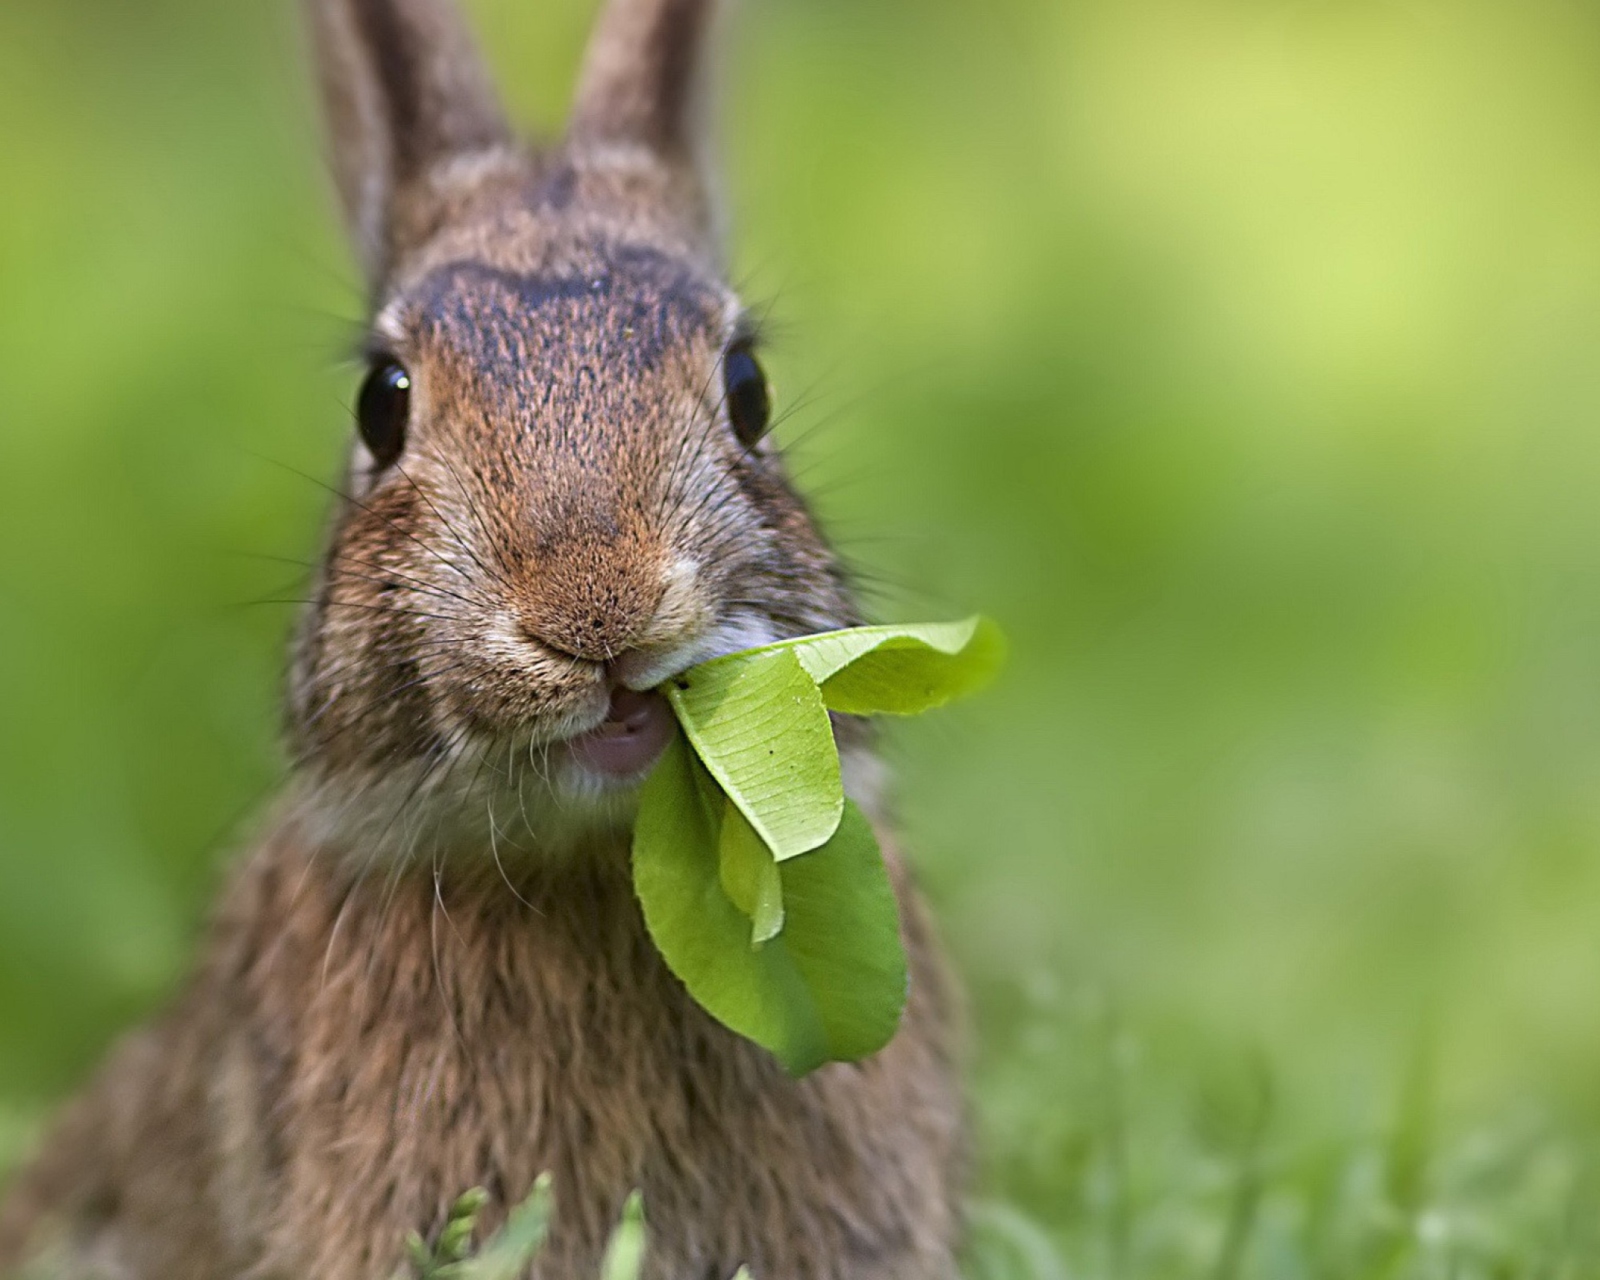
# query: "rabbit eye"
[[383, 410], [749, 398]]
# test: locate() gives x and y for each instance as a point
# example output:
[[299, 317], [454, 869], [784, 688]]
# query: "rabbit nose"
[[596, 633], [593, 600]]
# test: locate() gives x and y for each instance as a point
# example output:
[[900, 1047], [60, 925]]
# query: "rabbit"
[[430, 971]]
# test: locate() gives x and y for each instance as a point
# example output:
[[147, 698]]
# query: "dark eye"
[[749, 399], [383, 410]]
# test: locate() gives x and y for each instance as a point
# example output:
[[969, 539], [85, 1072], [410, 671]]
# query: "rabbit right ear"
[[405, 90], [644, 85]]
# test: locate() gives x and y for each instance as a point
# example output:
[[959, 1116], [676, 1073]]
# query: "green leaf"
[[831, 986], [750, 875], [897, 670], [842, 928], [758, 722], [763, 888], [703, 936]]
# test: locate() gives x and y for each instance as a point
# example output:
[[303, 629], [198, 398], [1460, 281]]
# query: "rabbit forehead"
[[610, 315], [577, 382]]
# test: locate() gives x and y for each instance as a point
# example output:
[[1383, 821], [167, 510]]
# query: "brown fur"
[[431, 973], [346, 1063]]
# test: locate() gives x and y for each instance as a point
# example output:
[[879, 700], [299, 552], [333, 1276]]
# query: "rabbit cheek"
[[503, 694], [375, 709]]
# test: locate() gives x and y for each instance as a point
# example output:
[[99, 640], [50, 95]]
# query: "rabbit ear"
[[643, 78], [404, 89]]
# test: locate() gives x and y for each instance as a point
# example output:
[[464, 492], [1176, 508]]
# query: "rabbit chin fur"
[[382, 1016], [520, 798], [519, 795]]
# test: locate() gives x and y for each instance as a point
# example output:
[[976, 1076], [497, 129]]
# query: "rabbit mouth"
[[625, 746], [639, 724]]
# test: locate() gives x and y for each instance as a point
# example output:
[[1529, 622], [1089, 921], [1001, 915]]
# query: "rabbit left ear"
[[405, 91], [644, 82]]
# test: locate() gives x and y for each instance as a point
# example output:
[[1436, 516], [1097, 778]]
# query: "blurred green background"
[[1240, 356]]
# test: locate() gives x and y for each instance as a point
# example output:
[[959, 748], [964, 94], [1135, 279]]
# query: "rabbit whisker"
[[493, 543], [454, 533], [356, 502]]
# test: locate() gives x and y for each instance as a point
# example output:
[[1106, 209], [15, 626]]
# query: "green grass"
[[459, 1254], [1134, 1168], [1131, 1176]]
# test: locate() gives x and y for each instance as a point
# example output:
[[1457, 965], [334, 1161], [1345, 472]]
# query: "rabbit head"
[[560, 491]]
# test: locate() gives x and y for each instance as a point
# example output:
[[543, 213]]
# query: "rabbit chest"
[[377, 1046]]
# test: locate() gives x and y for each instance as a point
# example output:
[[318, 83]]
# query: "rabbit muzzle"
[[628, 742]]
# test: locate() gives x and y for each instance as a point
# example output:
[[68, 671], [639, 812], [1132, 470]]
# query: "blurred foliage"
[[1240, 356]]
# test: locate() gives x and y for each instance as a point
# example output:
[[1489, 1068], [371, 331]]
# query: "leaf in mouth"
[[763, 887]]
